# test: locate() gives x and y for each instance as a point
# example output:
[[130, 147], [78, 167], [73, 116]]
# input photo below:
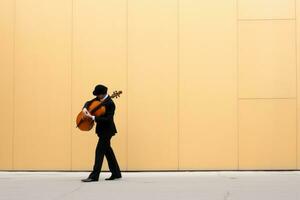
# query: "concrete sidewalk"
[[152, 186]]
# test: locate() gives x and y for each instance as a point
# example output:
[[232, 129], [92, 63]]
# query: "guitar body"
[[85, 123]]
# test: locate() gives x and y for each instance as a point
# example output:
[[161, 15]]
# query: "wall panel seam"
[[237, 74], [266, 98], [266, 19], [127, 87], [178, 84], [14, 82], [71, 76], [296, 52]]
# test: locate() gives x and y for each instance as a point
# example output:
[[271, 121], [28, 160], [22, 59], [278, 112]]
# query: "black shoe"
[[89, 180], [113, 177]]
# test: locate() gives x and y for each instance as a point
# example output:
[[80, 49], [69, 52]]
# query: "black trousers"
[[104, 149]]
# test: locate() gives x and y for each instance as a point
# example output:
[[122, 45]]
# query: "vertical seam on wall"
[[296, 51], [178, 84], [266, 19], [14, 82], [71, 81], [127, 109], [237, 74]]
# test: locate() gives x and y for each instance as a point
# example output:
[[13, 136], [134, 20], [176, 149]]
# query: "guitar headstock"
[[116, 94]]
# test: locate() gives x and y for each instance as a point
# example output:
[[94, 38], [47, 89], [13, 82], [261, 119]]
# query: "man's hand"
[[87, 114], [85, 111]]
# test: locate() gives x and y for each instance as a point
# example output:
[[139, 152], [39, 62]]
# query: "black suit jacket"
[[105, 124]]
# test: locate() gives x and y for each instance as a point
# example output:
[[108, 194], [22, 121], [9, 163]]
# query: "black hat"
[[99, 89]]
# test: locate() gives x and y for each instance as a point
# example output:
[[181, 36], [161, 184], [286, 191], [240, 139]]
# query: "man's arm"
[[86, 105]]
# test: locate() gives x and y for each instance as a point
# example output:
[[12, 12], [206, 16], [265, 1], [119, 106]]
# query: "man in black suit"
[[105, 129]]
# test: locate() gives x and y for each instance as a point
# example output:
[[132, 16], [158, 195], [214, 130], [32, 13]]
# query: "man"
[[105, 129]]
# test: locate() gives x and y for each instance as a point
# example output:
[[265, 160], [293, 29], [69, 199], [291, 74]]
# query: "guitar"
[[95, 108]]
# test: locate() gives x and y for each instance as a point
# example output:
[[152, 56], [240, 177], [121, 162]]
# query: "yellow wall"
[[206, 84]]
